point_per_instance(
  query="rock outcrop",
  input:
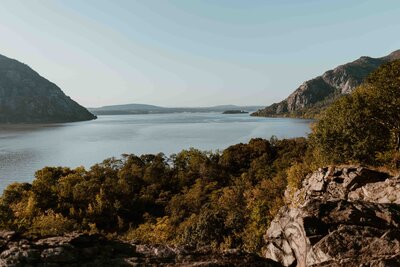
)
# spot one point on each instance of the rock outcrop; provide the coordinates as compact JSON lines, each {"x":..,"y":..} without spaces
{"x":77,"y":249}
{"x":316,"y":94}
{"x":27,"y":97}
{"x":342,"y":216}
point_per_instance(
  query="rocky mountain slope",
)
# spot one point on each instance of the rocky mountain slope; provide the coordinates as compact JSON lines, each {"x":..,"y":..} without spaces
{"x":316,"y":94}
{"x":343,"y":216}
{"x":27,"y":97}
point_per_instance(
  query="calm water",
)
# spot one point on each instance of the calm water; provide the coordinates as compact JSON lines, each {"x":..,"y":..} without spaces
{"x":26,"y":148}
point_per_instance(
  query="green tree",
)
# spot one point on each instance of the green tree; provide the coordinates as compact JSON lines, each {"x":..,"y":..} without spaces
{"x":348,"y":131}
{"x":384,"y":95}
{"x":364,"y":124}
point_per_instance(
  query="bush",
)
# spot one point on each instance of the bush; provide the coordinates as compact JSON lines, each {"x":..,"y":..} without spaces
{"x":359,"y":126}
{"x":159,"y":232}
{"x":50,"y":224}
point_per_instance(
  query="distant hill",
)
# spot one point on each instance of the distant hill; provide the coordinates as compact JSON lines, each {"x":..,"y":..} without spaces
{"x":315,"y":95}
{"x":27,"y":97}
{"x":150,"y":109}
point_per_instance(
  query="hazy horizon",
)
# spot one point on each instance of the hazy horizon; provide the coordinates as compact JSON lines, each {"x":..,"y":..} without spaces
{"x":149,"y":104}
{"x":192,"y":53}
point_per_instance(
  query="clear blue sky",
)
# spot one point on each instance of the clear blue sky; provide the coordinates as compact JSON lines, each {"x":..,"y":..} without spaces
{"x":192,"y":52}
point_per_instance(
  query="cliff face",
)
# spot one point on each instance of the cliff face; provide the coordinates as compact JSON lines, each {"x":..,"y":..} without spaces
{"x":343,"y":216}
{"x":316,"y":94}
{"x":27,"y":97}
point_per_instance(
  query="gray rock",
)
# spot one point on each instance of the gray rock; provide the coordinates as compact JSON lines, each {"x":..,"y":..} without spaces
{"x":350,"y":217}
{"x":7,"y":235}
{"x":78,"y":249}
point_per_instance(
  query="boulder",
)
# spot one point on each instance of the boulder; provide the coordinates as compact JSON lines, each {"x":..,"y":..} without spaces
{"x":343,"y":216}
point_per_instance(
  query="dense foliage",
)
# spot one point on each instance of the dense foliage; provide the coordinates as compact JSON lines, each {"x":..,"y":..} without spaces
{"x":224,"y":199}
{"x":365,"y":125}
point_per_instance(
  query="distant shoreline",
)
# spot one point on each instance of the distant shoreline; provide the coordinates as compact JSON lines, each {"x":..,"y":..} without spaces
{"x":141,"y":109}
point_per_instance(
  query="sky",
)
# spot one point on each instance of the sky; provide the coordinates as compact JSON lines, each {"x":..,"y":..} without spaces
{"x":192,"y":52}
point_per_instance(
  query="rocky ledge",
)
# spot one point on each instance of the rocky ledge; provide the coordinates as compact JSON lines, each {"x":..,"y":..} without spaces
{"x":342,"y":216}
{"x":78,"y":249}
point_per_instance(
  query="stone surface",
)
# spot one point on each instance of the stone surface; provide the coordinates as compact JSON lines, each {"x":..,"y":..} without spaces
{"x":78,"y":249}
{"x":342,"y":216}
{"x":322,"y":90}
{"x":27,"y":97}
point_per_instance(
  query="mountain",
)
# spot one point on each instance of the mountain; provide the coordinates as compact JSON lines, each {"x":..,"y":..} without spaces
{"x":151,"y":109}
{"x":27,"y":97}
{"x":316,"y":94}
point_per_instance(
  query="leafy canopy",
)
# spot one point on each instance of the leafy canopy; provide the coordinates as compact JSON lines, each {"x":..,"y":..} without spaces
{"x":365,"y":123}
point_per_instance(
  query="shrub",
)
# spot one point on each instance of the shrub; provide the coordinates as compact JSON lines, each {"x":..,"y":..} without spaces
{"x":50,"y":224}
